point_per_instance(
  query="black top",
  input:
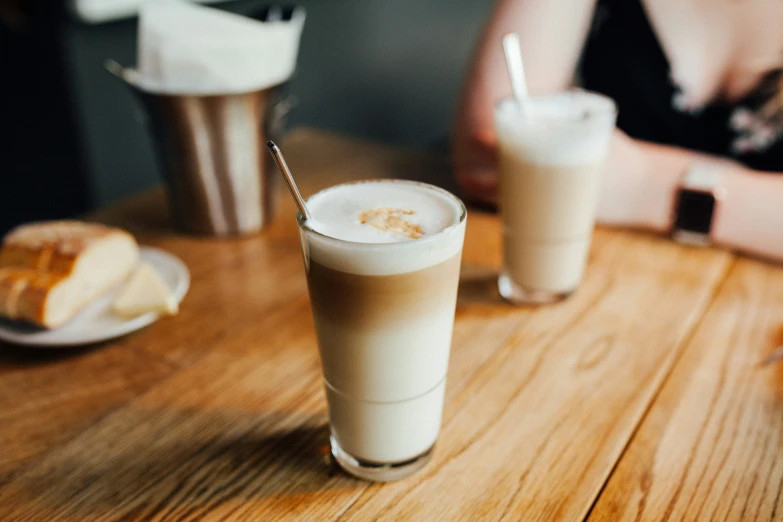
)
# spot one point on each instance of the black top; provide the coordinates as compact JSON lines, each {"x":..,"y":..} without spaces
{"x":624,"y":60}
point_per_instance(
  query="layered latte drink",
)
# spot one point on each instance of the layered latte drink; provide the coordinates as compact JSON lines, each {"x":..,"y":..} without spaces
{"x":551,"y":160}
{"x":383,"y":260}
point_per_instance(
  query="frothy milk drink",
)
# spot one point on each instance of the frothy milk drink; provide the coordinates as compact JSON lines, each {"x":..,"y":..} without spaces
{"x":383,"y":260}
{"x":551,"y":158}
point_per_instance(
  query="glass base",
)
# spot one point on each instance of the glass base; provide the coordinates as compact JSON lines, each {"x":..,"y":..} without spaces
{"x":377,"y":471}
{"x":519,"y":295}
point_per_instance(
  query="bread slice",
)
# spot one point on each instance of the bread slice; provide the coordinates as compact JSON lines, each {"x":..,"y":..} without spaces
{"x":50,"y":271}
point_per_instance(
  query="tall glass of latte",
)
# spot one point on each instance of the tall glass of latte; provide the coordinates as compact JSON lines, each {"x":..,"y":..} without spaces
{"x":551,"y":159}
{"x":383,"y":260}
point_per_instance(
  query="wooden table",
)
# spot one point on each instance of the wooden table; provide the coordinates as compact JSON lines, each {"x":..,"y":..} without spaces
{"x":641,"y":397}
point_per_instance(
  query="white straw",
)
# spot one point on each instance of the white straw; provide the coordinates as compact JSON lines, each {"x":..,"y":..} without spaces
{"x":516,"y":70}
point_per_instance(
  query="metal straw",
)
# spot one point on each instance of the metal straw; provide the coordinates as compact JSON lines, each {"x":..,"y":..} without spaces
{"x":277,"y":154}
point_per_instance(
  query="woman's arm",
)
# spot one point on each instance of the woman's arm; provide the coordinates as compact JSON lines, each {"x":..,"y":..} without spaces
{"x":641,"y":178}
{"x":750,"y":216}
{"x":640,"y":188}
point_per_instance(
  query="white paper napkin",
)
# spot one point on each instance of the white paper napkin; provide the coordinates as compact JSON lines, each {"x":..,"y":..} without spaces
{"x":186,"y":48}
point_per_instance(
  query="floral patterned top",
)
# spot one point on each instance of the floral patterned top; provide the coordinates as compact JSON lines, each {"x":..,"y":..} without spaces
{"x":758,"y":120}
{"x":624,"y":60}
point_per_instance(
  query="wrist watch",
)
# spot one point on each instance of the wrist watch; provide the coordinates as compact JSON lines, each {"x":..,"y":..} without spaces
{"x":696,"y":203}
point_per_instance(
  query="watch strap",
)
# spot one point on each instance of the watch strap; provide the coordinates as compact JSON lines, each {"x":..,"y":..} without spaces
{"x":704,"y":177}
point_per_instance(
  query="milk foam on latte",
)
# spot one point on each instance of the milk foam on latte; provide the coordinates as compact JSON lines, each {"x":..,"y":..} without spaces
{"x":560,"y":130}
{"x":345,"y":211}
{"x":381,"y":212}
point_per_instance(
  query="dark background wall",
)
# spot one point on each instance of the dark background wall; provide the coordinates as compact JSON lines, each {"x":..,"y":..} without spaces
{"x":41,"y":173}
{"x":384,"y":70}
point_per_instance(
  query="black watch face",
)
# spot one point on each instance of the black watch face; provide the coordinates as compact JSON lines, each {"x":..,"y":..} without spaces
{"x":694,"y":211}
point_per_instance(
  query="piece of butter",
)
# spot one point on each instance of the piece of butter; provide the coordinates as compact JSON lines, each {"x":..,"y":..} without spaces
{"x":145,"y":292}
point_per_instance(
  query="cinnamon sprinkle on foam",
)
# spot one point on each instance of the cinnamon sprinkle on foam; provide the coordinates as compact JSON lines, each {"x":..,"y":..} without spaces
{"x":389,"y":219}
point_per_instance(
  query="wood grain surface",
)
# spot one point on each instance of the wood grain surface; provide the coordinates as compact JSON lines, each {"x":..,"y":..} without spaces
{"x":552,"y":413}
{"x":711,"y":447}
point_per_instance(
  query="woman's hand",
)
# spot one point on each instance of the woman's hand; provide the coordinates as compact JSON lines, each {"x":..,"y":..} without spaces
{"x":552,"y":35}
{"x":476,"y":169}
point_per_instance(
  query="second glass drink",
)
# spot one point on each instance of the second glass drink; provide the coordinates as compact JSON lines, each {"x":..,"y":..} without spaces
{"x":551,"y":161}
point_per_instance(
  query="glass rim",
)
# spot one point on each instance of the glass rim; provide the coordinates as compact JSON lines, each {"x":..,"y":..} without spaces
{"x":610,"y":111}
{"x":463,"y":214}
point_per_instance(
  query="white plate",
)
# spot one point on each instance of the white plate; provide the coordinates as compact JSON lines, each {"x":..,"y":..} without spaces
{"x":96,"y":322}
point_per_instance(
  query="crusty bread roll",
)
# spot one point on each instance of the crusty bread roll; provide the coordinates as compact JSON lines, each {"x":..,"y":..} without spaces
{"x":50,"y":271}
